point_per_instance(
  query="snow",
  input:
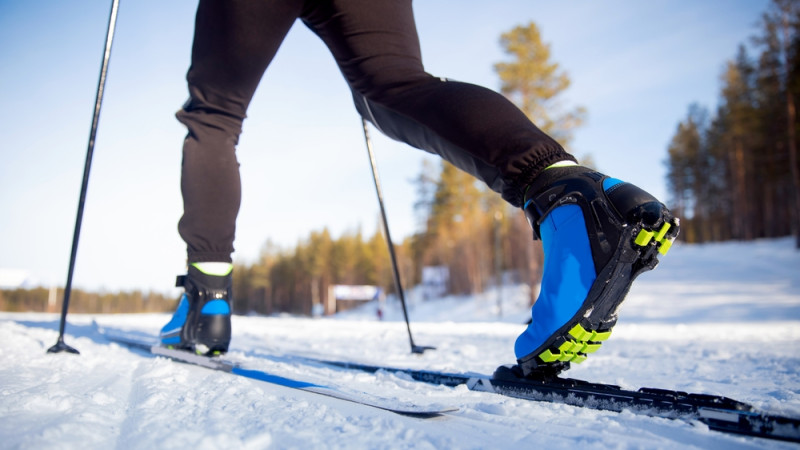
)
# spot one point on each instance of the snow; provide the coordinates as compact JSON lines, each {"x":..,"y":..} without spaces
{"x":717,"y":318}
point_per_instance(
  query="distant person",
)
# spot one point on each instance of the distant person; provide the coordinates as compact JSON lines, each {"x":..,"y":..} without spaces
{"x":598,"y":232}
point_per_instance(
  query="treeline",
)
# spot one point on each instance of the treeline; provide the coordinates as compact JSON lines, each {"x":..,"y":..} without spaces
{"x":296,"y":279}
{"x":472,"y":231}
{"x":49,"y":300}
{"x":734,"y":174}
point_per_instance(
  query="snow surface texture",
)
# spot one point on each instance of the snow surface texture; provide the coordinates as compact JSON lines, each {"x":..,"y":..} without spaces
{"x":720,"y":319}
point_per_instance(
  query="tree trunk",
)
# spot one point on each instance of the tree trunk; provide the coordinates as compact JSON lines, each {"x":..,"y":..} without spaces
{"x":790,"y":118}
{"x":741,"y":208}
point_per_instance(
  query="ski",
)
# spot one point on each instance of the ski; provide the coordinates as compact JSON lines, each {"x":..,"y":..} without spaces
{"x":228,"y":366}
{"x":717,"y":412}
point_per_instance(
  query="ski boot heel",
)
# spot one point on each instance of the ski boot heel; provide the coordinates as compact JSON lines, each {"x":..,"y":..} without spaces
{"x":202,"y":322}
{"x":213,"y":332}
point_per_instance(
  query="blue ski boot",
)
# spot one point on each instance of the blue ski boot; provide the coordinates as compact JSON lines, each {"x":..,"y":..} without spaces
{"x":202,"y":322}
{"x":598,"y":233}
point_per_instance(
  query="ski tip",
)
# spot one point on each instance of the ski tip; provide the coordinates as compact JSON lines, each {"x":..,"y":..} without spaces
{"x":423,"y":413}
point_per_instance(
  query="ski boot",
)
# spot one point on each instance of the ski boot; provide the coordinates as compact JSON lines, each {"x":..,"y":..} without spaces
{"x":598,"y":234}
{"x":202,"y":322}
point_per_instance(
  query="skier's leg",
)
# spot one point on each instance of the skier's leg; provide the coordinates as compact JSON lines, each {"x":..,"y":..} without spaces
{"x":376,"y":47}
{"x":234,"y":42}
{"x":404,"y":129}
{"x":598,"y":233}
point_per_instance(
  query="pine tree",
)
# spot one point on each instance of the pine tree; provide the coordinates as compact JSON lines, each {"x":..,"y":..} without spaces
{"x":454,"y":228}
{"x":534,"y":83}
{"x":785,"y":19}
{"x":746,"y":182}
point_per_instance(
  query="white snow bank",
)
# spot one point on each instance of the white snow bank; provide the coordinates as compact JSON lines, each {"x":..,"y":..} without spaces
{"x":720,"y":319}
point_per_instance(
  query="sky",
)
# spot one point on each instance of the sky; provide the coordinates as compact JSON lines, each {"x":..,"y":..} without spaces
{"x":635,"y":66}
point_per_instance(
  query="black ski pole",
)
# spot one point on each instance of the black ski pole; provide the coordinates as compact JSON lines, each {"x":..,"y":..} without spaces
{"x":60,"y":345}
{"x":414,"y":347}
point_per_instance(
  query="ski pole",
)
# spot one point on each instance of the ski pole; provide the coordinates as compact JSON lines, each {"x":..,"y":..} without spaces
{"x":414,"y":347}
{"x":60,"y":345}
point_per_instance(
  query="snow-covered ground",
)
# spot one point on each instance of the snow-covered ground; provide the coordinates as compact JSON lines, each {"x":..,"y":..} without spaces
{"x":720,"y":319}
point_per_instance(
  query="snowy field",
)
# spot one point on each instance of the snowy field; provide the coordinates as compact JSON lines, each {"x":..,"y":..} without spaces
{"x":719,"y":319}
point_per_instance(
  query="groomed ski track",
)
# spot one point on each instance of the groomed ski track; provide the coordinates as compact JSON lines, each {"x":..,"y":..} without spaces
{"x":721,"y":319}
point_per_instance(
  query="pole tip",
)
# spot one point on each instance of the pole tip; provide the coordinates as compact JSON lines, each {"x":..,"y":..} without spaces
{"x":62,"y":347}
{"x":420,"y":349}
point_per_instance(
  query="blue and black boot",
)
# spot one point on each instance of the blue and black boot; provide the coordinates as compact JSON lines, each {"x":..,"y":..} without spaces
{"x":598,"y":234}
{"x":202,"y":322}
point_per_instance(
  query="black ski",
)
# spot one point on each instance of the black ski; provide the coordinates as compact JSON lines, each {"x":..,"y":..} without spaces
{"x":717,"y":412}
{"x":225,"y":365}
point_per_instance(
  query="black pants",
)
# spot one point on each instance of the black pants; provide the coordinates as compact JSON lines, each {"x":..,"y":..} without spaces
{"x":376,"y":46}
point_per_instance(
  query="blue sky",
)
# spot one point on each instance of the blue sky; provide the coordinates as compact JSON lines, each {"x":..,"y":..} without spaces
{"x":635,"y":66}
